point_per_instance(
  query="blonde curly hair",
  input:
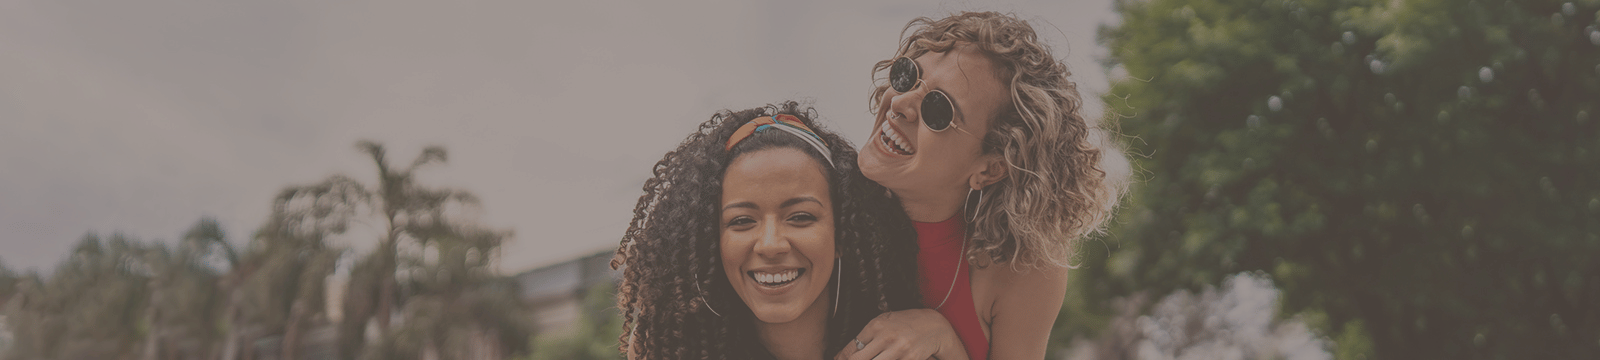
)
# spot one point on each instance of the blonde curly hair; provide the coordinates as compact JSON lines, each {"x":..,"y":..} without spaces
{"x":1056,"y":191}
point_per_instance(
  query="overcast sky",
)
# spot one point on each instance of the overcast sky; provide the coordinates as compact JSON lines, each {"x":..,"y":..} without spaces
{"x":141,"y":117}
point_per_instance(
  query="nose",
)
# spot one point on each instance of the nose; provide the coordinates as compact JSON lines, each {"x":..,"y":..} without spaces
{"x":772,"y":243}
{"x":907,"y":104}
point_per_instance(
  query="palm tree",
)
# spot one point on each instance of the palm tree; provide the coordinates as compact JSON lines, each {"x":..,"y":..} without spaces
{"x":295,"y":248}
{"x":278,"y":284}
{"x":458,"y":307}
{"x":182,"y":301}
{"x":440,"y":290}
{"x":89,"y":308}
{"x":9,"y":284}
{"x":121,"y":299}
{"x":405,"y":206}
{"x":32,"y":328}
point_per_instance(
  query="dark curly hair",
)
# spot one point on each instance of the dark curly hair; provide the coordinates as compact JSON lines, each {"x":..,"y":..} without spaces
{"x":674,"y":242}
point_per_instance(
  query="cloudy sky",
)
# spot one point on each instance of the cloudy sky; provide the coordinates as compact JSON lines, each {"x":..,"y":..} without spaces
{"x":142,"y":117}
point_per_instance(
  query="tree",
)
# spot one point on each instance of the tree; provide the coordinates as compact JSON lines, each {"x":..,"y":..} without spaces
{"x":304,"y":218}
{"x":450,"y":291}
{"x":405,"y":206}
{"x":278,"y":284}
{"x":595,"y":335}
{"x":183,"y":298}
{"x":123,"y":299}
{"x":1418,"y":176}
{"x":91,"y":307}
{"x":457,"y":307}
{"x":119,"y":299}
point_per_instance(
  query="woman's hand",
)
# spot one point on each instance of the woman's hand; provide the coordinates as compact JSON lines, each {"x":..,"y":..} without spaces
{"x":914,"y":334}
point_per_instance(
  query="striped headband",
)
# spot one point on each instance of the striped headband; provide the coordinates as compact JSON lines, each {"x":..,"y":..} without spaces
{"x":787,"y":123}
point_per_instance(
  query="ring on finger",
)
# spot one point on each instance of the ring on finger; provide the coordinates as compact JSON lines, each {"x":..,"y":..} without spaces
{"x":860,"y":345}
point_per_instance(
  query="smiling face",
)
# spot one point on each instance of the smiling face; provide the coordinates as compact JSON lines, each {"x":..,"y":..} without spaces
{"x":777,"y":233}
{"x":906,"y":156}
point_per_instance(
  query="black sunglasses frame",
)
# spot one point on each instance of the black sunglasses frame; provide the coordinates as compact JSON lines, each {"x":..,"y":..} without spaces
{"x":904,"y":76}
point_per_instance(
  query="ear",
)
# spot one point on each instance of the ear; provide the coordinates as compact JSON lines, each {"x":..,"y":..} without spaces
{"x":994,"y":169}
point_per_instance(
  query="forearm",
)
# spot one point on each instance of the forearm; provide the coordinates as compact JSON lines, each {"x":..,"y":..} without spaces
{"x":906,"y":334}
{"x":950,"y":348}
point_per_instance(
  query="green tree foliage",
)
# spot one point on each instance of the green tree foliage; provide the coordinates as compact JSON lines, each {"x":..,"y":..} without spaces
{"x":126,"y":299}
{"x":201,"y":298}
{"x":594,"y":337}
{"x":118,"y":298}
{"x":291,"y":258}
{"x":1419,"y":177}
{"x":9,"y":282}
{"x":436,"y":271}
{"x":406,"y":209}
{"x":456,"y":306}
{"x":183,"y":298}
{"x":89,"y":308}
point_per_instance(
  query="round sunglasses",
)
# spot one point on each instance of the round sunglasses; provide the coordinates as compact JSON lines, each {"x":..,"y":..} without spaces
{"x":937,"y":110}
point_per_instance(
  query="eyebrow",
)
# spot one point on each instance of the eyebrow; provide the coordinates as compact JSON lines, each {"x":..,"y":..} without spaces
{"x":741,"y":204}
{"x":786,"y":203}
{"x":798,"y":200}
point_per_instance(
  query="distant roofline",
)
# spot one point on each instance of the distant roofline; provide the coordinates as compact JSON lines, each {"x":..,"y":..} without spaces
{"x":609,"y":249}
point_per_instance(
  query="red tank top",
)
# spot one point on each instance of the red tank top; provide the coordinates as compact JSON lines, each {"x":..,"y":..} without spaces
{"x":939,"y":259}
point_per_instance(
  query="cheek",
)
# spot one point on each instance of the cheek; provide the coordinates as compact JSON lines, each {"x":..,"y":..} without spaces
{"x":821,"y":248}
{"x":949,"y":154}
{"x":729,"y":251}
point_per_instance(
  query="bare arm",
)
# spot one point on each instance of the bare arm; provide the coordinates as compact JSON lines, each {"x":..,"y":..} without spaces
{"x":1024,"y":311}
{"x":915,"y":334}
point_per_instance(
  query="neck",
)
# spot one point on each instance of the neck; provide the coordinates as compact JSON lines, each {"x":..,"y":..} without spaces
{"x":934,"y":206}
{"x":802,"y":337}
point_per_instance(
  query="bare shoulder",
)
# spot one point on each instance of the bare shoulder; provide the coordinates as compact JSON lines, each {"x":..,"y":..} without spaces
{"x":1004,"y":282}
{"x":1027,"y":294}
{"x":1014,"y":278}
{"x":1027,"y":301}
{"x":1030,"y":291}
{"x":1003,"y":290}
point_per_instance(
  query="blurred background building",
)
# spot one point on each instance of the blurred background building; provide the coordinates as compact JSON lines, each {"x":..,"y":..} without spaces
{"x":556,"y":292}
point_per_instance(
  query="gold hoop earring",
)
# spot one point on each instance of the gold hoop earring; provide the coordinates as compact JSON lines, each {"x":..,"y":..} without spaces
{"x":837,"y":279}
{"x":702,"y":296}
{"x":974,"y":209}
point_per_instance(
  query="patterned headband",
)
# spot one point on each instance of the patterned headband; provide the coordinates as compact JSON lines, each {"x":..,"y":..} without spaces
{"x":787,"y":123}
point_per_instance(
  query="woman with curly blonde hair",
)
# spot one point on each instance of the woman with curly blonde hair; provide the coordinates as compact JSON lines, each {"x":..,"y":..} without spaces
{"x":758,"y":238}
{"x":979,"y":134}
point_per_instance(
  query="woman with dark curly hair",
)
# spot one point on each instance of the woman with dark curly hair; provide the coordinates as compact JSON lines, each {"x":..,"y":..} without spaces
{"x":759,"y":238}
{"x":980,"y":136}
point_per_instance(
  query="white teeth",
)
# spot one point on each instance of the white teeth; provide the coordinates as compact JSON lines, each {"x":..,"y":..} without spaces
{"x":894,"y":137}
{"x":776,"y":278}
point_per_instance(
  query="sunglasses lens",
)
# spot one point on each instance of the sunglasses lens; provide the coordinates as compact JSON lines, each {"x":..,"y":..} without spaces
{"x":937,"y":111}
{"x":903,"y":74}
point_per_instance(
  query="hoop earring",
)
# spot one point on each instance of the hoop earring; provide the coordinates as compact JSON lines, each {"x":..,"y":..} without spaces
{"x":837,"y":279}
{"x":702,"y":296}
{"x":974,"y":209}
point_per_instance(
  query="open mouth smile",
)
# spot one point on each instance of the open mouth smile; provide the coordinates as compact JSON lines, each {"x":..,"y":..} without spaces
{"x":893,"y":141}
{"x":775,"y":279}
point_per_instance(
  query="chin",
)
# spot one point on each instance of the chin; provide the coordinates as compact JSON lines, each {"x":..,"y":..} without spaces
{"x":873,"y":164}
{"x":778,"y":313}
{"x":882,"y":171}
{"x":870,"y":167}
